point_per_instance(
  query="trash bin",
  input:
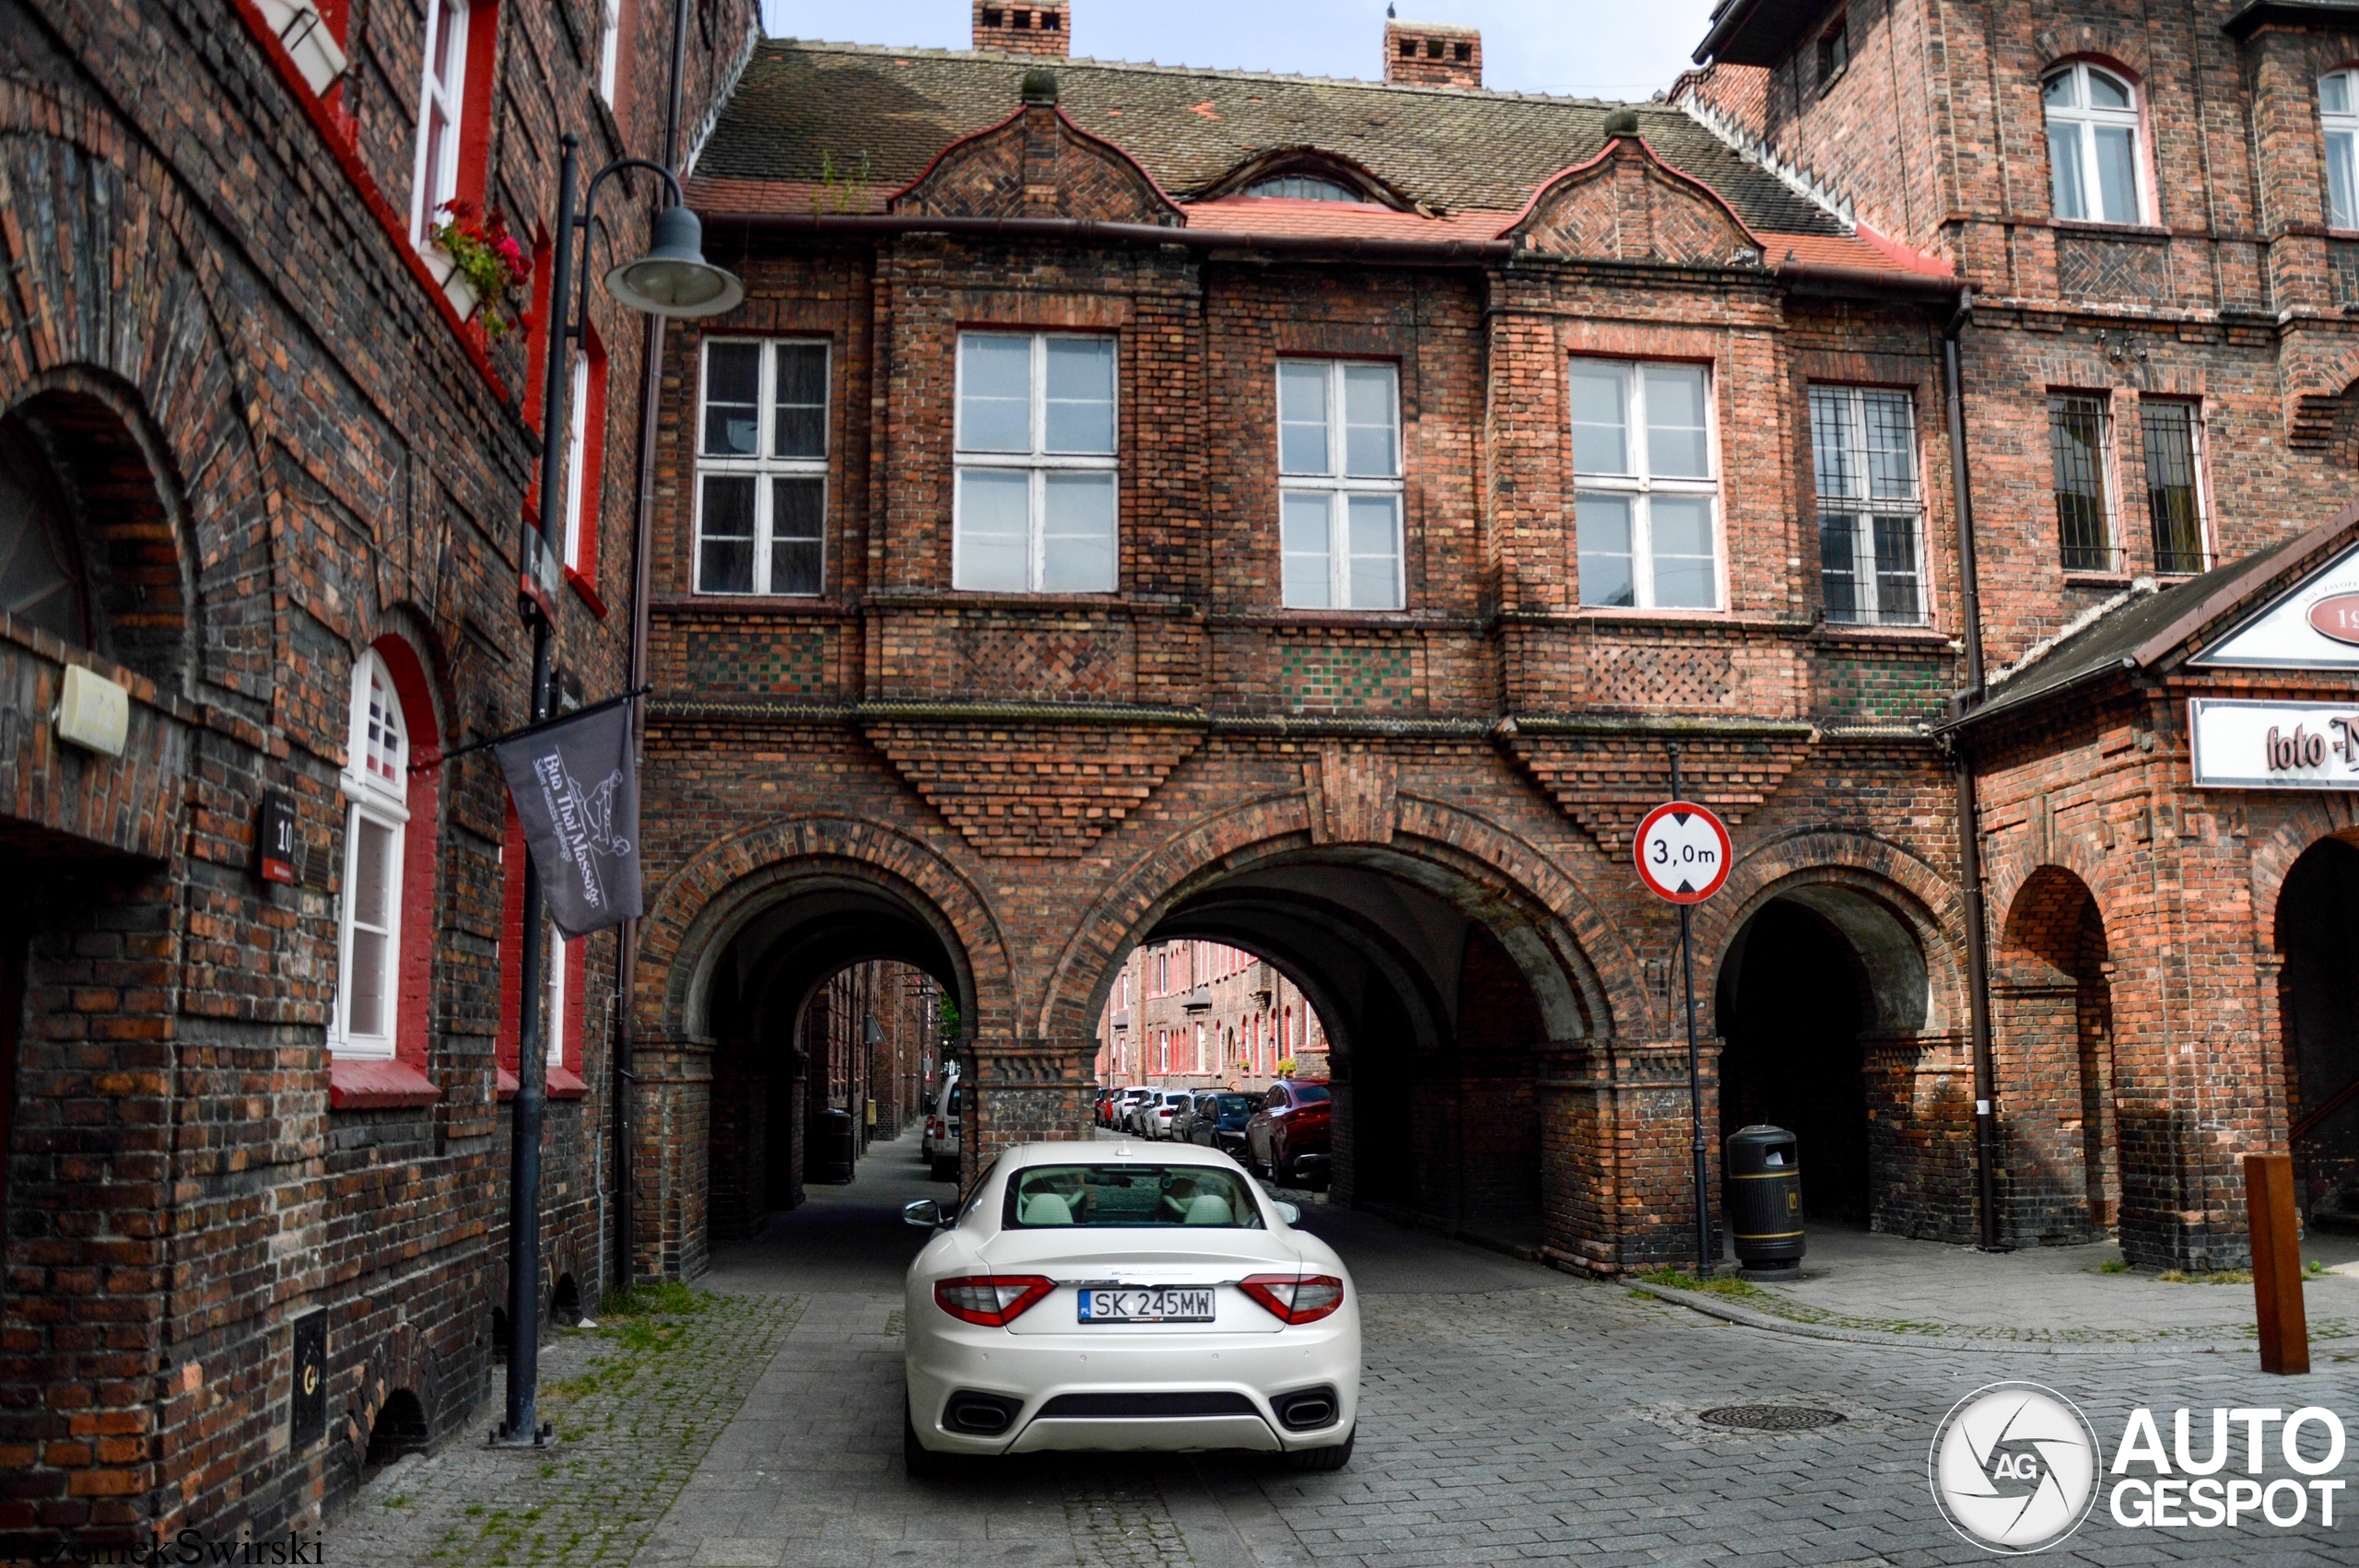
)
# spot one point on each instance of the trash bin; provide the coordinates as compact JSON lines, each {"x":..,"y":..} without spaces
{"x":1765,"y":1197}
{"x":834,"y":1146}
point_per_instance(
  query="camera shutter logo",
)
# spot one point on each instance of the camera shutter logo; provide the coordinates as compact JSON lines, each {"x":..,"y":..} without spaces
{"x":2014,"y":1467}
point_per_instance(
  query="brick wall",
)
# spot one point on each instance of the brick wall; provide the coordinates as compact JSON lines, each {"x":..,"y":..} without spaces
{"x":305,"y":454}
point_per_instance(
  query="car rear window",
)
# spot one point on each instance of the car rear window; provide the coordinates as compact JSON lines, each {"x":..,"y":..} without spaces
{"x":1310,"y":1094}
{"x":1236,"y":1104}
{"x":1106,"y":1196}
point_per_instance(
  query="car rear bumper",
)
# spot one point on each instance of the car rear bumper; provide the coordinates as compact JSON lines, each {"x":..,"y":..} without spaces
{"x":1165,"y":1434}
{"x":1037,"y":1369}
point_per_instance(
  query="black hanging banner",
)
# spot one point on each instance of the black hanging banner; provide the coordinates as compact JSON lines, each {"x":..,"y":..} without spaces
{"x":576,"y":789}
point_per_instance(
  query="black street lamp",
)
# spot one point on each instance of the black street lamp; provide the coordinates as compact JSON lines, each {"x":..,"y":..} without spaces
{"x":672,"y":279}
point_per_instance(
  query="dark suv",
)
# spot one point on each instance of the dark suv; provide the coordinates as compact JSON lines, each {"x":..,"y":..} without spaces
{"x":1216,"y":1119}
{"x":1291,"y":1135}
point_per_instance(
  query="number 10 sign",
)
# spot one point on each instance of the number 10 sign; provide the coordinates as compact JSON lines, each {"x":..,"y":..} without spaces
{"x":1682,"y":852}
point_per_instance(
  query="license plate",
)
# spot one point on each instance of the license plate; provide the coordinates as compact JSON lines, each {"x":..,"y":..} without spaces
{"x":1147,"y":1306}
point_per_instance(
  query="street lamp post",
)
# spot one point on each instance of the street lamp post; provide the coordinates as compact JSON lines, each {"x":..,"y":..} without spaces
{"x":672,"y":279}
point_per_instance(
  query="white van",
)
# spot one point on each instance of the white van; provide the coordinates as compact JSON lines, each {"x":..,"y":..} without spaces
{"x":940,"y":1147}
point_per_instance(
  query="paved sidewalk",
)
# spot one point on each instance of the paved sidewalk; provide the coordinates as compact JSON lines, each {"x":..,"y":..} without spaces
{"x":1857,"y":1284}
{"x":637,"y":1402}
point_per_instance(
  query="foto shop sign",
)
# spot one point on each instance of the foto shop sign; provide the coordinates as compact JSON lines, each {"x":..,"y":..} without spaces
{"x":576,"y":787}
{"x":2241,"y":744}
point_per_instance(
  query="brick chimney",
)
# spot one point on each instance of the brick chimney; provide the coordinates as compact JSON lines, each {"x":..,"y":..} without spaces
{"x":1432,"y":54}
{"x":1033,"y":28}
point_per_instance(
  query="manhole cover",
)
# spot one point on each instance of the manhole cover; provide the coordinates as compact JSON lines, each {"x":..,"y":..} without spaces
{"x":1771,"y":1418}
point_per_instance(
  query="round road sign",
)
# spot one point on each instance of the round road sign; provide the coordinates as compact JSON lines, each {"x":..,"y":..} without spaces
{"x":1682,"y":852}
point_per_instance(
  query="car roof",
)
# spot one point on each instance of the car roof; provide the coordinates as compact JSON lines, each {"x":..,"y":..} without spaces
{"x":1103,"y":1152}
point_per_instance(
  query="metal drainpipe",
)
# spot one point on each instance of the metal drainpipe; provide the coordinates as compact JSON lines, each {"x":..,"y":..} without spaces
{"x":1970,"y":843}
{"x":649,"y":410}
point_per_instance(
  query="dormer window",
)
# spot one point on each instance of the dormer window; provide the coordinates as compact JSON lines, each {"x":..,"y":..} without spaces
{"x":1304,"y":188}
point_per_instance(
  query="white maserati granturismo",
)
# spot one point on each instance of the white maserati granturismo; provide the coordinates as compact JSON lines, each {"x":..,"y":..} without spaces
{"x":1124,"y":1296}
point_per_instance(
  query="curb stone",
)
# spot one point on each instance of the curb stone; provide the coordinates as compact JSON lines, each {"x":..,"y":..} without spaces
{"x":1714,"y":1306}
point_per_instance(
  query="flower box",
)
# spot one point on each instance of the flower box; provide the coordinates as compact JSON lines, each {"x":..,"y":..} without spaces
{"x":305,"y":33}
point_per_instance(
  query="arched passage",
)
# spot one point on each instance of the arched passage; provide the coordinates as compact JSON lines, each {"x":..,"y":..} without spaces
{"x":1440,"y":988}
{"x":1818,"y":980}
{"x":2317,"y":935}
{"x":770,"y":1012}
{"x":2052,"y":1028}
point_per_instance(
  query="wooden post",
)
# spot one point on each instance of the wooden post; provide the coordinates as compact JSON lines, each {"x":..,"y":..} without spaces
{"x":2276,"y":1264}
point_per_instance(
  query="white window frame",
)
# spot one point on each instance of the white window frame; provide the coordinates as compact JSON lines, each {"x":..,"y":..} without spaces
{"x":761,"y":466}
{"x":1338,"y":487}
{"x":1038,"y":462}
{"x":1644,"y":486}
{"x":432,"y":189}
{"x":610,"y":29}
{"x":577,"y":485}
{"x":2341,"y":130}
{"x":376,"y":792}
{"x":1864,"y":508}
{"x":2084,"y":119}
{"x":552,"y":1025}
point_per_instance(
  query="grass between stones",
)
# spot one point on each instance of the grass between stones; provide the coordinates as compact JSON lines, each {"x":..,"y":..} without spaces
{"x":665,"y":1370}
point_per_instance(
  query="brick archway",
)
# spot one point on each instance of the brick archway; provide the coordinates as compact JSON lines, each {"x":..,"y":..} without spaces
{"x":1864,"y":1058}
{"x":2073,"y":1151}
{"x":720,"y":890}
{"x":1538,"y":911}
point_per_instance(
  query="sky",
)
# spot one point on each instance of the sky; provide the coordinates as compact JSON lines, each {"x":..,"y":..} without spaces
{"x":1585,"y":48}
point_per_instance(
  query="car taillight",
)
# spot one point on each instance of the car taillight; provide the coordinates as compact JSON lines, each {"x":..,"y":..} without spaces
{"x":1304,"y":1299}
{"x":992,"y":1300}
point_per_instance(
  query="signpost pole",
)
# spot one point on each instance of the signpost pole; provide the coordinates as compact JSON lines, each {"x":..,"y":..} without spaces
{"x":1704,"y":1259}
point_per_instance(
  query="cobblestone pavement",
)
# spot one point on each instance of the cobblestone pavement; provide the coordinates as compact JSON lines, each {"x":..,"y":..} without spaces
{"x":637,"y":1401}
{"x":1508,"y":1411}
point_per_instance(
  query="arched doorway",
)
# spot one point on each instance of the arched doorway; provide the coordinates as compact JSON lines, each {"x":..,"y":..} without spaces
{"x":792,"y":999}
{"x":1816,"y":979}
{"x":2053,"y":1023}
{"x":2317,"y":936}
{"x":1437,"y":994}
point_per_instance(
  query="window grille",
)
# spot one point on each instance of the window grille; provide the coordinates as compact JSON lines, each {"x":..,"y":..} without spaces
{"x":2174,"y":487}
{"x":1871,"y":511}
{"x":2077,"y":440}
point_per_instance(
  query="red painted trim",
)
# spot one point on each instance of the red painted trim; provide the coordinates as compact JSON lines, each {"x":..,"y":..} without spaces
{"x":565,"y":1085}
{"x":335,"y":128}
{"x":511,"y":934}
{"x":474,"y":100}
{"x":584,"y":572}
{"x":1649,"y":153}
{"x":892,"y":202}
{"x":536,"y":340}
{"x":589,"y":594}
{"x":356,"y":1085}
{"x":414,"y":986}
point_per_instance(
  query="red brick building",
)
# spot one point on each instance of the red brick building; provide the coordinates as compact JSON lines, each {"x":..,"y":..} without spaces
{"x":1138,"y":504}
{"x":1206,"y":1016}
{"x":262,"y":472}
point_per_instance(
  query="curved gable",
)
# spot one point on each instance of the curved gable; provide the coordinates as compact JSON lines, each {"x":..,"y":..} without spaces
{"x":1037,"y":163}
{"x":1627,"y":205}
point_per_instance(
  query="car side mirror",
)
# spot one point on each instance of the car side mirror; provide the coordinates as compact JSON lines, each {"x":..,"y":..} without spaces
{"x":926,"y":1213}
{"x":1286,"y":1212}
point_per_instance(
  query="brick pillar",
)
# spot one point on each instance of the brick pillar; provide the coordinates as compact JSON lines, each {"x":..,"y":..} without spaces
{"x":1029,"y":1091}
{"x":1921,"y":1135}
{"x":2036,"y":1055}
{"x":1615,"y":1184}
{"x":670,"y":1161}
